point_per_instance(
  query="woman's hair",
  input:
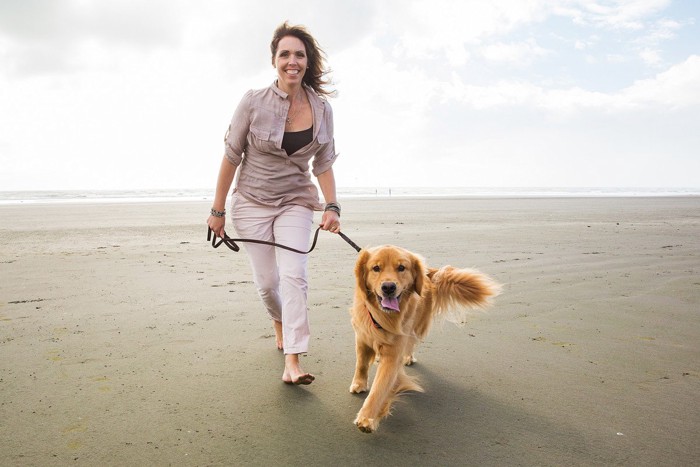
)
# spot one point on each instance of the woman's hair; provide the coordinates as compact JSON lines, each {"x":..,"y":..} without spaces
{"x":315,"y":76}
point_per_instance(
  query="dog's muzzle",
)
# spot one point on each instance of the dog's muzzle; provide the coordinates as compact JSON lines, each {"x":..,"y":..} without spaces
{"x":388,"y":298}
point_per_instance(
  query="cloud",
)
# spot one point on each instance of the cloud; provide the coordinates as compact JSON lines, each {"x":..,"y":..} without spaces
{"x":651,"y":57}
{"x":678,"y":87}
{"x":666,"y":29}
{"x":621,"y":14}
{"x":45,"y":36}
{"x":436,"y":29}
{"x":517,"y":54}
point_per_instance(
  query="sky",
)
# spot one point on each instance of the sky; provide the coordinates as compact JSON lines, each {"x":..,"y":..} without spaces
{"x":133,"y":94}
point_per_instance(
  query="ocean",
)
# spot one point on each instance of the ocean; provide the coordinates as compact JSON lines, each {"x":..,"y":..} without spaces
{"x":165,"y":195}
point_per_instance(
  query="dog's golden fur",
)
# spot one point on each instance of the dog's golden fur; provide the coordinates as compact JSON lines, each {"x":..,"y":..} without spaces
{"x":389,"y":277}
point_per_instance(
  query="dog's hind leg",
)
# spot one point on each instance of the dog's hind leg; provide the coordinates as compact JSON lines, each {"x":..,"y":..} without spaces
{"x":364,"y":355}
{"x":409,"y":357}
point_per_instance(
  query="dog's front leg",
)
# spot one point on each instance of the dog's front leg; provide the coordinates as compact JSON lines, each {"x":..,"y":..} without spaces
{"x":364,"y":355}
{"x":378,"y":401}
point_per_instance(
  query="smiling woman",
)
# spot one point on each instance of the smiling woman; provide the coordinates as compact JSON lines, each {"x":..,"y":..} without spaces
{"x":314,"y":74}
{"x":278,"y":136}
{"x":291,"y":64}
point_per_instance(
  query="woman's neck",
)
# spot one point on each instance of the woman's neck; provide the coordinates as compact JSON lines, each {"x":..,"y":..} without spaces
{"x":292,"y":91}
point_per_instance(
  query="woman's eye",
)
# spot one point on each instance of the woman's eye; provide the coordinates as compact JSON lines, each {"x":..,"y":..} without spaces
{"x":402,"y":268}
{"x":376,"y":269}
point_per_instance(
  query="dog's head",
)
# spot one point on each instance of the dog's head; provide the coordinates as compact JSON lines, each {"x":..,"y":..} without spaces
{"x":389,"y":274}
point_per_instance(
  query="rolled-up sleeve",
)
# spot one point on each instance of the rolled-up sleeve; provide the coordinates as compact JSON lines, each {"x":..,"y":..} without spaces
{"x":237,"y":134}
{"x":326,"y":155}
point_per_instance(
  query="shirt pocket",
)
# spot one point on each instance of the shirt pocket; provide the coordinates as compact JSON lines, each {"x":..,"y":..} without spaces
{"x":262,"y":140}
{"x":259,"y":133}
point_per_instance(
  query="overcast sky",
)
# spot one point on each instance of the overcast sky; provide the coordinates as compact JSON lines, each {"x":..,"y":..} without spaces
{"x":125,"y":94}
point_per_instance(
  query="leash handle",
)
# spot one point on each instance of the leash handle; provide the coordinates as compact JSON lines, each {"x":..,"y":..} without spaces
{"x":231,"y":242}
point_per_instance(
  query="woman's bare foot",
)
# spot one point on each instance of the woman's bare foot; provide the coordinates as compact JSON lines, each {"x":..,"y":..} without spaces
{"x":278,"y":333}
{"x":293,"y":374}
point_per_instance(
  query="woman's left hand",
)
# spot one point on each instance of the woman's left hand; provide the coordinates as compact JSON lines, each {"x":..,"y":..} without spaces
{"x":330,"y":221}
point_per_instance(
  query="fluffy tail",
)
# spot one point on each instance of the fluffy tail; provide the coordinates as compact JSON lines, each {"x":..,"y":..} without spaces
{"x":458,"y":291}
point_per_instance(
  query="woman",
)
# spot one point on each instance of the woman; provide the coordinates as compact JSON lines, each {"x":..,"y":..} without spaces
{"x":274,"y":134}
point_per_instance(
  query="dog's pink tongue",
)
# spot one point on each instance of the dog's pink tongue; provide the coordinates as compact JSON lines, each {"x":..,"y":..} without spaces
{"x":391,"y":303}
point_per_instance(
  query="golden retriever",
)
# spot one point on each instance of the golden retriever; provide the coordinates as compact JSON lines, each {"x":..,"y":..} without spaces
{"x":396,"y":299}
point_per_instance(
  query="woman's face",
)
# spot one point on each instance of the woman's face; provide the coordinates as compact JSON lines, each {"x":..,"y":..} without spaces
{"x":291,"y":62}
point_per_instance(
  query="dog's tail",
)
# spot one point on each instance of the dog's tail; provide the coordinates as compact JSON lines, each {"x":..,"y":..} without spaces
{"x":459,"y":291}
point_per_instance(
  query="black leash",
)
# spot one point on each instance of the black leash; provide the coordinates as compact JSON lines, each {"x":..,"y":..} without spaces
{"x":231,"y":242}
{"x":350,"y":242}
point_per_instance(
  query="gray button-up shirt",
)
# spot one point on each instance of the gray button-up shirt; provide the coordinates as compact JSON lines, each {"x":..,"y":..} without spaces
{"x":266,"y":174}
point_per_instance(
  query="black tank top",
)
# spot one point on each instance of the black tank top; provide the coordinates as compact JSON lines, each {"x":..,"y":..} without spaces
{"x":292,"y":141}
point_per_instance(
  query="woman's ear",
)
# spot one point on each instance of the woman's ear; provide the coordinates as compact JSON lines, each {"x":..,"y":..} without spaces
{"x":361,"y":269}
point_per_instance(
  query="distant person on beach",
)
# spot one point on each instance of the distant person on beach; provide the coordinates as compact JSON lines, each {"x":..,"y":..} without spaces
{"x":274,"y":134}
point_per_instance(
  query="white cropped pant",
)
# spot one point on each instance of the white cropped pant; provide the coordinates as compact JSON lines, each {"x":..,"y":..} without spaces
{"x":279,"y":275}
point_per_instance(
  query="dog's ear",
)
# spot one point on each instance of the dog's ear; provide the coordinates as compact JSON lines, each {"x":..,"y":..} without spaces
{"x":418,"y":273}
{"x":360,"y":270}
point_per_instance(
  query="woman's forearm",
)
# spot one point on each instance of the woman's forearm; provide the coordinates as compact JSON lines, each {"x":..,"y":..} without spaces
{"x":223,"y":184}
{"x":326,"y":181}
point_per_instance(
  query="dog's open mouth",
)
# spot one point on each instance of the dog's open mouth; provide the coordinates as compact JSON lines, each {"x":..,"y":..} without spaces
{"x":389,"y":304}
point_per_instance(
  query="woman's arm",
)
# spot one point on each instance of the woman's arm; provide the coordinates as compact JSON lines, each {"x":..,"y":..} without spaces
{"x":223,"y":185}
{"x":331,"y":219}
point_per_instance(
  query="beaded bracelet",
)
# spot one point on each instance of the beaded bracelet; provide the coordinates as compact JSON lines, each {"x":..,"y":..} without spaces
{"x":216,"y":213}
{"x":335,"y":207}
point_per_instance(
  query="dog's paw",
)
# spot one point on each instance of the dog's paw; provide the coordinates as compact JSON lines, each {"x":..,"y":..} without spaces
{"x":366,"y":425}
{"x":409,"y":360}
{"x":358,"y":387}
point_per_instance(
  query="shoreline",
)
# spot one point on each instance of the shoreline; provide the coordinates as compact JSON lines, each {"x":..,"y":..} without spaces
{"x":194,"y":195}
{"x":147,"y":201}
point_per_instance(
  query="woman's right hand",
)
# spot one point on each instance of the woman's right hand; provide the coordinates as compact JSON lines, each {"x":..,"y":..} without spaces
{"x":216,"y":224}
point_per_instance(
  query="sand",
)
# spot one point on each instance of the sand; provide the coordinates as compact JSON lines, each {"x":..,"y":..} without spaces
{"x":125,"y":339}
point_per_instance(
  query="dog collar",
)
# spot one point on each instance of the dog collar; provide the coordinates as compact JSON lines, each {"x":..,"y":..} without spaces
{"x":374,"y":321}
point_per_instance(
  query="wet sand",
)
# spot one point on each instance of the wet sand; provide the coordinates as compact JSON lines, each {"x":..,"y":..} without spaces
{"x":125,"y":339}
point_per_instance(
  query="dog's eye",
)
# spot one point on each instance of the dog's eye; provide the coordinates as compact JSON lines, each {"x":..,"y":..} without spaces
{"x":376,"y":269}
{"x":402,"y":268}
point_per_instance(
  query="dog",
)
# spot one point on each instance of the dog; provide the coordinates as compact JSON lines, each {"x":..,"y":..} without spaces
{"x":397,"y":298}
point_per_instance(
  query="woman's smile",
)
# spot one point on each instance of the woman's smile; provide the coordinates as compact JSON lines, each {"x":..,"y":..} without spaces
{"x":291,"y":62}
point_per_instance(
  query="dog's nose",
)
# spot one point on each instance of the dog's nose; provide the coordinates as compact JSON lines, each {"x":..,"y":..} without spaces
{"x":389,"y":288}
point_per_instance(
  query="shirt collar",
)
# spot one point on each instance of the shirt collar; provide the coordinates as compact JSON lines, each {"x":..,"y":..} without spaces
{"x":317,"y":107}
{"x":283,"y":94}
{"x":277,"y":90}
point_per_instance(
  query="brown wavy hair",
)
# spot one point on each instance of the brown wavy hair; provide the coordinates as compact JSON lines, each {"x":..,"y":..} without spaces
{"x":315,"y":77}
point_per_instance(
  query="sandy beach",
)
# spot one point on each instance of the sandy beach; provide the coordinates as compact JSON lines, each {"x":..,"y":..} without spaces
{"x":125,"y":339}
